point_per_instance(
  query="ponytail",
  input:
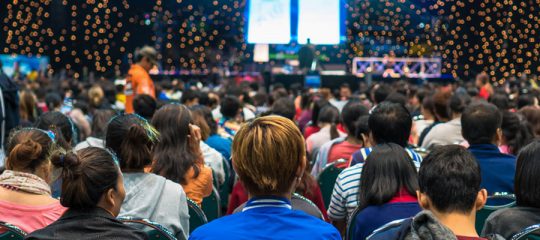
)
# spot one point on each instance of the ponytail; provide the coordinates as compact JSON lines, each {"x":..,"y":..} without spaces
{"x":333,"y":131}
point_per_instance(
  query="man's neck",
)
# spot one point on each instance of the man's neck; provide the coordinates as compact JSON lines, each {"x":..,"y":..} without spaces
{"x":460,"y":224}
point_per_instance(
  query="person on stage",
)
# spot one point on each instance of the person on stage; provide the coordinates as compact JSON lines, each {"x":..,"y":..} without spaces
{"x":306,"y":56}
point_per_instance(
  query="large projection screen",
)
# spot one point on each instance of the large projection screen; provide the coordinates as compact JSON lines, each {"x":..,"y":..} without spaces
{"x":269,"y":21}
{"x":319,"y":20}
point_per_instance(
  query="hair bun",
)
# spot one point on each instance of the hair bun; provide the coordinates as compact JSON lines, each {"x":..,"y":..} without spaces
{"x":65,"y":160}
{"x":24,"y":154}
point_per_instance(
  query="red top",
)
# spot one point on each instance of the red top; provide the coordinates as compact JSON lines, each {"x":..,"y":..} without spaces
{"x":484,"y":93}
{"x":342,"y":150}
{"x":311,"y":130}
{"x":240,"y":196}
{"x":403,"y":196}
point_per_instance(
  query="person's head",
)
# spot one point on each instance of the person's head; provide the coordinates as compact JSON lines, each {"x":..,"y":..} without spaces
{"x":91,"y":178}
{"x":500,"y":100}
{"x":28,"y":151}
{"x":387,"y":171}
{"x":362,"y":130}
{"x":532,"y":115}
{"x":132,"y":138}
{"x":440,"y":105}
{"x":145,"y":106}
{"x":428,"y":109}
{"x":390,"y":123}
{"x":482,"y":79}
{"x":481,"y":123}
{"x":458,"y":102}
{"x":230,"y":107}
{"x":146,"y":57}
{"x":199,"y":118}
{"x":449,"y":181}
{"x":61,"y":124}
{"x":527,"y":183}
{"x":206,"y":113}
{"x":352,"y":111}
{"x":516,"y":132}
{"x":269,"y":169}
{"x":525,"y":100}
{"x":329,"y":115}
{"x":381,"y":93}
{"x":173,"y":155}
{"x":345,"y":91}
{"x":96,"y":96}
{"x":99,"y":122}
{"x":397,"y":97}
{"x":27,"y":105}
{"x":317,"y":107}
{"x":284,"y":107}
{"x":53,"y":101}
{"x":190,"y":98}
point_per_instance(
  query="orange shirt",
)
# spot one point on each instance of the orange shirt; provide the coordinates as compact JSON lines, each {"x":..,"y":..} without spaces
{"x":138,"y":81}
{"x":198,"y":188}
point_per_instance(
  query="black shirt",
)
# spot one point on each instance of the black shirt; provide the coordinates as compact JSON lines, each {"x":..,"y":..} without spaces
{"x":87,"y":224}
{"x":510,"y":221}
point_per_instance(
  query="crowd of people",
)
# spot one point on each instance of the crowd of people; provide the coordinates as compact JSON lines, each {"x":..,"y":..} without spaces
{"x":428,"y":156}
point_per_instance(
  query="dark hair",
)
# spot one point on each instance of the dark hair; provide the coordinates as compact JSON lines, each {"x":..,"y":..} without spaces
{"x":532,"y":115}
{"x":500,"y":100}
{"x":145,"y":106}
{"x":53,"y":100}
{"x":458,"y":102}
{"x":388,"y":170}
{"x":99,"y":122}
{"x":284,"y":107}
{"x":361,"y":127}
{"x":205,"y":112}
{"x":317,"y":107}
{"x":132,"y":139}
{"x":60,"y":124}
{"x":28,"y":148}
{"x":229,"y":106}
{"x":440,"y":105}
{"x":352,"y":111}
{"x":330,"y":114}
{"x":527,"y":183}
{"x":396,"y":97}
{"x":381,"y":93}
{"x":516,"y":131}
{"x":390,"y":123}
{"x":479,"y":123}
{"x":525,"y":100}
{"x":173,"y":156}
{"x":188,"y":95}
{"x":86,"y":176}
{"x":450,"y":177}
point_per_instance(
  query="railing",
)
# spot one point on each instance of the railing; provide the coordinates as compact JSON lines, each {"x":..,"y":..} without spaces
{"x":390,"y":67}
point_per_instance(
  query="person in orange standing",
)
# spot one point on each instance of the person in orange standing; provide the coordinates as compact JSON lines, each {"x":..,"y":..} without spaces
{"x":138,"y":80}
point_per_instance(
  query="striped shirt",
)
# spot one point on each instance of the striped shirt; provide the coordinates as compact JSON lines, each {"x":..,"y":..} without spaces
{"x":345,"y":195}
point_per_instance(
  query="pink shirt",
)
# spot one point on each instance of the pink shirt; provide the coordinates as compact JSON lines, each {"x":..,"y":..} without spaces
{"x":30,"y":218}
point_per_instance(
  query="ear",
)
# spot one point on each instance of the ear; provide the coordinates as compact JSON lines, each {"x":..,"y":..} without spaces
{"x":301,"y":167}
{"x":481,"y":199}
{"x":109,"y":198}
{"x":423,"y":200}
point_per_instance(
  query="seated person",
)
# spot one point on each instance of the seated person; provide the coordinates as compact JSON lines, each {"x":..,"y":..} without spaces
{"x":328,"y":120}
{"x":481,"y":127}
{"x":344,"y":147}
{"x":93,"y":192}
{"x":391,"y":124}
{"x":148,"y":195}
{"x":509,"y":221}
{"x":388,"y":123}
{"x":270,"y":173}
{"x":177,"y":155}
{"x":387,"y":189}
{"x":25,"y":195}
{"x":449,"y":132}
{"x":450,"y":194}
{"x":99,"y":126}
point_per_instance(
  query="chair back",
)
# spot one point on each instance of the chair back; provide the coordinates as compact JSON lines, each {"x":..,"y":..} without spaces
{"x":196,"y":216}
{"x":299,"y":202}
{"x":153,"y":230}
{"x":529,"y":233}
{"x":10,"y":232}
{"x":351,"y":226}
{"x":487,"y":210}
{"x":225,"y":189}
{"x":211,"y":206}
{"x":388,"y":230}
{"x":327,"y":179}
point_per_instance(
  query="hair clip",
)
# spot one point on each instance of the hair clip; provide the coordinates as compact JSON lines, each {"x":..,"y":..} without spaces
{"x":51,"y":135}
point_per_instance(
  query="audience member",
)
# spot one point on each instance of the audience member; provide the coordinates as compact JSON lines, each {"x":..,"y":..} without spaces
{"x":516,"y":133}
{"x":313,"y":126}
{"x":270,"y":172}
{"x":481,"y":127}
{"x":482,"y":82}
{"x":61,"y":124}
{"x":99,"y":127}
{"x":25,"y":195}
{"x":328,"y":120}
{"x":215,"y":140}
{"x":148,"y":196}
{"x":441,"y":111}
{"x":387,"y":189}
{"x":177,"y":156}
{"x":231,"y":110}
{"x":93,"y":192}
{"x":532,"y":115}
{"x":145,"y":106}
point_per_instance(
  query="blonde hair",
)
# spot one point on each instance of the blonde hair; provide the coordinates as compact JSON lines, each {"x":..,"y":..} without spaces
{"x":96,"y":95}
{"x":267,"y":153}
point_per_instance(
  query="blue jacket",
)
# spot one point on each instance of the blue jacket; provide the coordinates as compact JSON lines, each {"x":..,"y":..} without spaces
{"x":497,"y":169}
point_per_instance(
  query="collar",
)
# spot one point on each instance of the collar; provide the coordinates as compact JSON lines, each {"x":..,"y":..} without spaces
{"x":487,"y":146}
{"x":92,"y":212}
{"x":267,"y":202}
